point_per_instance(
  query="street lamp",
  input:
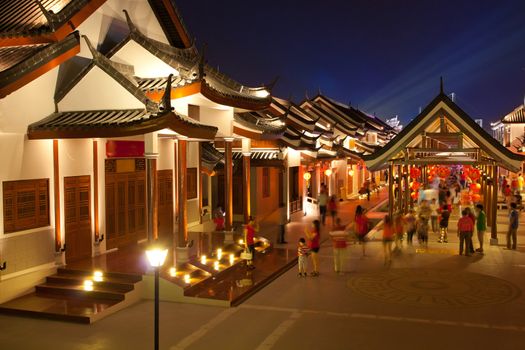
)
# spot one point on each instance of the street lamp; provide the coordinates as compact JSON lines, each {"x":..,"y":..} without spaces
{"x":156,"y":257}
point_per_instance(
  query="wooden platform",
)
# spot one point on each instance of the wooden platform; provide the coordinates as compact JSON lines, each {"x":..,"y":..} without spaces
{"x":63,"y":296}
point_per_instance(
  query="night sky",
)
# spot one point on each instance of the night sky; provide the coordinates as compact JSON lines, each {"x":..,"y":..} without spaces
{"x":384,"y":56}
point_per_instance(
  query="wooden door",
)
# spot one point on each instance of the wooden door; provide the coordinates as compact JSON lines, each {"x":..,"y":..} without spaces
{"x":125,"y":206}
{"x":77,"y":208}
{"x":165,"y":203}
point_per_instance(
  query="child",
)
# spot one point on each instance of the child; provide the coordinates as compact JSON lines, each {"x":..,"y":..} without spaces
{"x":422,"y":231}
{"x":302,"y":253}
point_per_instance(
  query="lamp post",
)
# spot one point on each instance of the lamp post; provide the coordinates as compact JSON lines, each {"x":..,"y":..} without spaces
{"x":156,"y":257}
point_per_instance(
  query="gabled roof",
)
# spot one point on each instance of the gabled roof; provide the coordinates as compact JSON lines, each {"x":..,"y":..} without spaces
{"x":443,"y":105}
{"x":27,"y":22}
{"x":20,"y":65}
{"x":517,"y":116}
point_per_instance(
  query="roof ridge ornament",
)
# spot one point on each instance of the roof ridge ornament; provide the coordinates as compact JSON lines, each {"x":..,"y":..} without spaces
{"x":165,"y":104}
{"x":50,"y":16}
{"x":131,"y":25}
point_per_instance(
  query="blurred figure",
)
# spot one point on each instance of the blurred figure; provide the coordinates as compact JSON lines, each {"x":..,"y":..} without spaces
{"x":218,"y":219}
{"x":473,"y":219}
{"x":434,"y":213}
{"x":410,"y":221}
{"x":361,"y":226}
{"x":465,"y":228}
{"x":388,"y":237}
{"x":521,"y":182}
{"x":332,"y":207}
{"x":481,"y":225}
{"x":513,"y":227}
{"x":443,"y":225}
{"x":422,"y":231}
{"x":322,"y":200}
{"x":399,"y":230}
{"x":249,"y":240}
{"x":313,"y":235}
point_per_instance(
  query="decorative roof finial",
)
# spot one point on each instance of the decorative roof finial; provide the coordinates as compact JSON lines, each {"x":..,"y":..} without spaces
{"x":131,"y":25}
{"x":49,"y":15}
{"x":441,"y":90}
{"x":166,"y":98}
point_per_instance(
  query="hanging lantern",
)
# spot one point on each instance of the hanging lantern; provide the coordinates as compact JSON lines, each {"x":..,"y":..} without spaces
{"x":475,"y":197}
{"x":351,"y":172}
{"x":443,"y":172}
{"x":474,"y":174}
{"x":415,"y":173}
{"x":307,"y":176}
{"x":475,"y":187}
{"x":328,"y":172}
{"x":413,"y":195}
{"x":415,"y":185}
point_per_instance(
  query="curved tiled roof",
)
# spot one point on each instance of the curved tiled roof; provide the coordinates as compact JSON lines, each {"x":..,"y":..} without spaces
{"x":517,"y":116}
{"x":261,"y":121}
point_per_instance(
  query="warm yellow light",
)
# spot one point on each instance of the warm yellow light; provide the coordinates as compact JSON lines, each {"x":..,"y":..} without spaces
{"x":156,"y":256}
{"x":203,"y":259}
{"x":88,"y":285}
{"x":262,"y":93}
{"x":219,"y":253}
{"x":187,"y":279}
{"x":351,"y":172}
{"x":241,"y":241}
{"x":216,"y":265}
{"x":98,"y":276}
{"x":173,"y":272}
{"x":307,"y":176}
{"x":232,"y":259}
{"x":328,"y":172}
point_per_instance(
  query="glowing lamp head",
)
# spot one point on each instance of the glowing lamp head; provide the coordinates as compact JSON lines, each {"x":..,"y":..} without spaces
{"x":328,"y":172}
{"x":232,"y":259}
{"x":156,"y":256}
{"x":219,"y":253}
{"x":98,"y":276}
{"x":351,"y":172}
{"x":307,"y":176}
{"x":187,"y":279}
{"x":203,"y":259}
{"x":88,"y":285}
{"x":216,"y":265}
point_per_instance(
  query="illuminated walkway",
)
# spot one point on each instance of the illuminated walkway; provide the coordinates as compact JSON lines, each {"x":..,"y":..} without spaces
{"x":430,"y":298}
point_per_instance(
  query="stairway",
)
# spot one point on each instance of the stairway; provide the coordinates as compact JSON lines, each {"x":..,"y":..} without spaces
{"x":64,"y":297}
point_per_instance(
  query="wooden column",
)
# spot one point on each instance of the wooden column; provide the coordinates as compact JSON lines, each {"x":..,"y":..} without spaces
{"x":56,"y":187}
{"x":175,"y":181}
{"x":390,"y":190}
{"x":399,"y":206}
{"x":199,"y":174}
{"x":151,"y":196}
{"x":246,"y":187}
{"x":182,"y":190}
{"x":95,"y":191}
{"x":494,"y":205}
{"x":228,"y":183}
{"x":406,"y":178}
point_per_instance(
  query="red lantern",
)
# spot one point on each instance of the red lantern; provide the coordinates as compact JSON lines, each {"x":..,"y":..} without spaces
{"x":443,"y":172}
{"x":475,"y":187}
{"x":475,"y":197}
{"x":415,"y":173}
{"x":415,"y":185}
{"x":474,"y":174}
{"x":413,"y":195}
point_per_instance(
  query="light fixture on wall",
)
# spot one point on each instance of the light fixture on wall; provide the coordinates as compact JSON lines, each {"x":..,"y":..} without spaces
{"x":328,"y":172}
{"x":351,"y":172}
{"x":307,"y":176}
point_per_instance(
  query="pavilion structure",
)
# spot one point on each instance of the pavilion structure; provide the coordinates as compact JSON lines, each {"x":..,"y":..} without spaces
{"x":443,"y":134}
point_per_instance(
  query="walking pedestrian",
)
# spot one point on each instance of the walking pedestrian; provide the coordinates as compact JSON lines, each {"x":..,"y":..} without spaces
{"x":332,"y":207}
{"x":388,"y":237}
{"x":481,"y":225}
{"x":434,"y":207}
{"x":313,"y":235}
{"x":443,"y":224}
{"x":422,"y":231}
{"x":410,"y":221}
{"x":361,"y":226}
{"x":322,"y":200}
{"x":249,"y":234}
{"x":473,"y":218}
{"x":399,"y":231}
{"x":302,"y":254}
{"x":513,"y":227}
{"x":465,"y":228}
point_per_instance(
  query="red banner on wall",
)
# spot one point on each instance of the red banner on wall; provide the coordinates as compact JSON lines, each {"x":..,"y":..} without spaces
{"x":124,"y":149}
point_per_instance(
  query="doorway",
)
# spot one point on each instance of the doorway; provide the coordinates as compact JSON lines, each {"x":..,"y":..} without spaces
{"x":165,"y":203}
{"x":77,"y":208}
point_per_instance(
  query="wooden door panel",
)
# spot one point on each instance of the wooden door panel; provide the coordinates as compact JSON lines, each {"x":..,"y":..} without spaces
{"x":77,"y":209}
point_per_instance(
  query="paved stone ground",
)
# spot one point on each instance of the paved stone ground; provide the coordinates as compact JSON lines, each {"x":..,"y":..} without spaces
{"x":429,"y":298}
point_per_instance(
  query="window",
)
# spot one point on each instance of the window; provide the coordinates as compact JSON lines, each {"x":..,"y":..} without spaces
{"x":191,"y":181}
{"x":266,"y":182}
{"x":26,"y":204}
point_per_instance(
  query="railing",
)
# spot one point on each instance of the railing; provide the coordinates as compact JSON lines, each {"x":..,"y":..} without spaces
{"x":296,"y":205}
{"x":311,"y":206}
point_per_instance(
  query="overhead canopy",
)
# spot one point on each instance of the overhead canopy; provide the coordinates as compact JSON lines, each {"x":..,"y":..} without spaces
{"x":443,"y":134}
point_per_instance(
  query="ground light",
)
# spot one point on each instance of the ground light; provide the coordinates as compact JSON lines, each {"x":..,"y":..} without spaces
{"x":156,"y":257}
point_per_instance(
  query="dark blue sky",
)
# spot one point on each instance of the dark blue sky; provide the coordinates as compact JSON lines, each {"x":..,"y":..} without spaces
{"x":385,"y":56}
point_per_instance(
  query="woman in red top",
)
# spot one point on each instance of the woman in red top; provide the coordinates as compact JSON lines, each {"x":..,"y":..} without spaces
{"x":388,"y":237}
{"x":361,"y":226}
{"x":313,"y":237}
{"x":250,"y":230}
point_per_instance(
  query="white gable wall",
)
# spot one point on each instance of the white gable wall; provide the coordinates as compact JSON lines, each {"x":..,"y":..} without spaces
{"x":98,"y":24}
{"x":97,"y":90}
{"x":146,"y":65}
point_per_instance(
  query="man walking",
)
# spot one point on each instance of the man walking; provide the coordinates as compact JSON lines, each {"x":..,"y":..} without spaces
{"x":322,"y":200}
{"x":481,"y":225}
{"x":465,"y":229}
{"x":513,"y":226}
